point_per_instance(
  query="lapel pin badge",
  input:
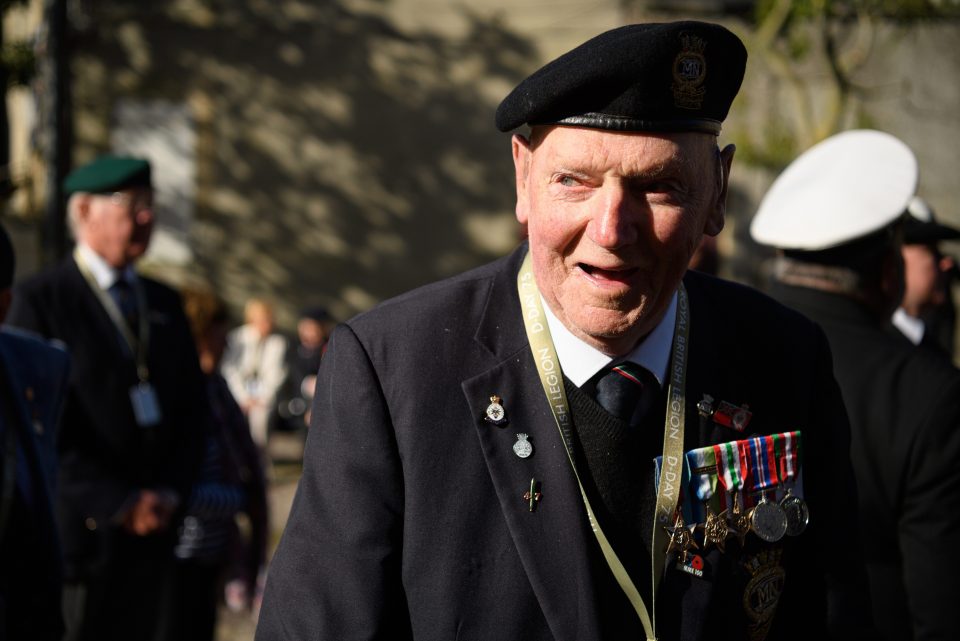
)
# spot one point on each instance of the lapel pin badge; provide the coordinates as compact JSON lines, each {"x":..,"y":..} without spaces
{"x":705,"y":407}
{"x":532,"y":496}
{"x":733,"y":416}
{"x":495,"y":413}
{"x":522,"y":448}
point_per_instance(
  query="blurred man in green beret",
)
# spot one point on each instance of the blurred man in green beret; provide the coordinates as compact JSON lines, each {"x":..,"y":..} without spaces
{"x":130,"y":443}
{"x":501,"y":455}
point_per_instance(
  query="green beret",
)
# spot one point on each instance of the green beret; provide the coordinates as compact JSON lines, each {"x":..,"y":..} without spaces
{"x":108,"y":174}
{"x":677,"y":76}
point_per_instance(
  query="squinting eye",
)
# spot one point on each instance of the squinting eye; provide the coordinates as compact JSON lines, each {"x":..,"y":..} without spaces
{"x":568,"y":181}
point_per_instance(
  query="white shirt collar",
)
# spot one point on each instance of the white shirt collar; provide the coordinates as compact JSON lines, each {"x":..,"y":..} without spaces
{"x":580,"y":361}
{"x":910,"y":326}
{"x":102,"y":271}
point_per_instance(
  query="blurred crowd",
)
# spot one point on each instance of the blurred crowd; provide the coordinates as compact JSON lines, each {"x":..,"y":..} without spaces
{"x":136,"y":420}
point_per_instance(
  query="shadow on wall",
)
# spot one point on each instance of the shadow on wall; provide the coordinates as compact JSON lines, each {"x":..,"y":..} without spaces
{"x":338,"y":160}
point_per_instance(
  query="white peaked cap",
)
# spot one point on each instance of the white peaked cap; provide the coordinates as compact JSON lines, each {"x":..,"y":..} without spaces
{"x":841,"y":189}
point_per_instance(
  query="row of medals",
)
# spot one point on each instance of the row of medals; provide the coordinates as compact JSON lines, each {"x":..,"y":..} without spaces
{"x":769,"y":520}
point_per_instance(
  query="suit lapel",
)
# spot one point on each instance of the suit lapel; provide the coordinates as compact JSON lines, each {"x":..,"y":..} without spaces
{"x":553,"y":539}
{"x":21,"y":413}
{"x":18,"y":393}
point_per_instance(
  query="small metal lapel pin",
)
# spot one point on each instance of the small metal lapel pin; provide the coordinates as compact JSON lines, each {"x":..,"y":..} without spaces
{"x":495,"y":413}
{"x":532,"y":496}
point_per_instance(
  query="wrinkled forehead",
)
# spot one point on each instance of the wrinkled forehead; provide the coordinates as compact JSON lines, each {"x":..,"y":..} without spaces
{"x":613,"y":147}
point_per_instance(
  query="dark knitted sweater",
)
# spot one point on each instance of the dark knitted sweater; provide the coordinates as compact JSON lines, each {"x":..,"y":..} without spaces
{"x":615,"y":463}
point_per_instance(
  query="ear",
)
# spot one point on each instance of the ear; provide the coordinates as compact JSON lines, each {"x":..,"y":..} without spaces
{"x":892,"y":284}
{"x":521,"y":167}
{"x":82,"y":208}
{"x":716,"y":218}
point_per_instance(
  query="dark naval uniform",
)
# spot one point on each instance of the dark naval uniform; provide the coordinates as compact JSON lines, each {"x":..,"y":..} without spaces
{"x":411,"y":521}
{"x":904,"y":406}
{"x":33,"y":381}
{"x":105,"y":455}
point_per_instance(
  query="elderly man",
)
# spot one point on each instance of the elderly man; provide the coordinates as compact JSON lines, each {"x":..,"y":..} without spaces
{"x":483,"y":453}
{"x":837,"y":215}
{"x":130,"y":442}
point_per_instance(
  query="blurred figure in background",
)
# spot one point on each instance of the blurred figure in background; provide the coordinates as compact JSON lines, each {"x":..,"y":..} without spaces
{"x":211,"y":550}
{"x":131,"y":438}
{"x":255,"y":367}
{"x":926,"y":315}
{"x":836,"y":215}
{"x":313,"y":329}
{"x":33,"y":384}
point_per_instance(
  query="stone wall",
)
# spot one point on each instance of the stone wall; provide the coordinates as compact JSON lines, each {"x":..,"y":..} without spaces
{"x":338,"y":153}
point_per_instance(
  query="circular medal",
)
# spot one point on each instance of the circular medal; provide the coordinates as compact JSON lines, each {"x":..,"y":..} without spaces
{"x":495,"y":413}
{"x":522,"y":447}
{"x":768,"y":521}
{"x":798,"y":515}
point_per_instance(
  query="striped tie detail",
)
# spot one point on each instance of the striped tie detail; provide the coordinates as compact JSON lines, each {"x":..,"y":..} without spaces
{"x":620,"y":388}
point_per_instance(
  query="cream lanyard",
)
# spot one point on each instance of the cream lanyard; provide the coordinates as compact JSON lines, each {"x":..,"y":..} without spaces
{"x":138,"y":346}
{"x":551,"y":377}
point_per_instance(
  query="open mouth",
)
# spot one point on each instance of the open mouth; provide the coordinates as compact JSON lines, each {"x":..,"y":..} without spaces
{"x":614,"y":275}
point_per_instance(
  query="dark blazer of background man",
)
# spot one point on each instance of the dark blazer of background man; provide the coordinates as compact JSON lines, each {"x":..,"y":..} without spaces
{"x":836,"y":213}
{"x":414,"y":518}
{"x":33,"y":383}
{"x":122,"y":475}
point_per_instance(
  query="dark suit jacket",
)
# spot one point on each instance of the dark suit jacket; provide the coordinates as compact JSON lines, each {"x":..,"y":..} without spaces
{"x":104,"y":454}
{"x":410,"y":520}
{"x":33,"y":381}
{"x":904,"y":404}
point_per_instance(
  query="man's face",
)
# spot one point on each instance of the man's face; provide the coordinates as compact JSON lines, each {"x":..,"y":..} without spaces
{"x":925,"y":278}
{"x":613,"y":219}
{"x":311,"y":332}
{"x":117,"y":226}
{"x":260,"y":317}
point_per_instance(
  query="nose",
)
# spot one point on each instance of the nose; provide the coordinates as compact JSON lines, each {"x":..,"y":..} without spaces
{"x":615,"y":222}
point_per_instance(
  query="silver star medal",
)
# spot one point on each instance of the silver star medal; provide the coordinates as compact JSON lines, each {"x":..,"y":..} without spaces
{"x":495,"y":413}
{"x":522,"y":447}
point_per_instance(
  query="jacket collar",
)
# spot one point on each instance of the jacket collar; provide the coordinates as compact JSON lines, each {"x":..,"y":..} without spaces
{"x":557,"y":527}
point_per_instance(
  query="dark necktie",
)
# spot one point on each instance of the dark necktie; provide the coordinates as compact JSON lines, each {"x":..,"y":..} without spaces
{"x":126,"y":300}
{"x":620,"y":389}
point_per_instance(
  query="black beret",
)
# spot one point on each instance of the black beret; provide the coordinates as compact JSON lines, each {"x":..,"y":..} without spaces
{"x":319,"y":314}
{"x":920,"y":225}
{"x":107,"y":174}
{"x":920,"y":232}
{"x":677,"y":76}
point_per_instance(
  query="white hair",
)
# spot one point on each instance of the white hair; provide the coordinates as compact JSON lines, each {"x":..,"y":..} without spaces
{"x":73,"y":213}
